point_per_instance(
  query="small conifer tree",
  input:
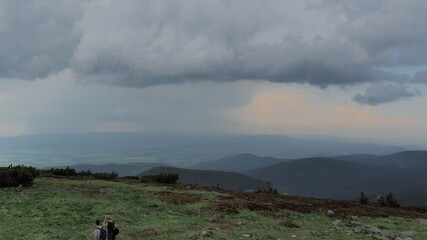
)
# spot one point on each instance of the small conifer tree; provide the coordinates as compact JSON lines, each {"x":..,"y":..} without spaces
{"x":363,"y":199}
{"x":382,"y":202}
{"x":392,"y":201}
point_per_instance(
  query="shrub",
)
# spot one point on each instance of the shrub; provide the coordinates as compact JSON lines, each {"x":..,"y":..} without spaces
{"x":132,"y":177}
{"x":269,"y":189}
{"x":71,"y":172}
{"x":32,"y":170}
{"x":67,"y":172}
{"x":170,"y":178}
{"x":106,"y":176}
{"x":85,"y":173}
{"x":14,"y":177}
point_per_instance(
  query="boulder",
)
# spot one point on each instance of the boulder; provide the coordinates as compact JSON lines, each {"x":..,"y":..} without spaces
{"x":388,"y":234}
{"x":369,"y":230}
{"x":421,"y":221}
{"x":336,"y":222}
{"x":409,"y":233}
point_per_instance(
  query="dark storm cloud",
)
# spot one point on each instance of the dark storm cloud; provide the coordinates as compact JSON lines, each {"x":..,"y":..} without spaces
{"x":36,"y":37}
{"x":378,"y":94}
{"x":420,"y":77}
{"x":144,"y":43}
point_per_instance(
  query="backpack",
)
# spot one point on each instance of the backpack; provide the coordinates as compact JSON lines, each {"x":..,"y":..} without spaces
{"x":112,"y":225}
{"x":116,"y":231}
{"x":103,"y":234}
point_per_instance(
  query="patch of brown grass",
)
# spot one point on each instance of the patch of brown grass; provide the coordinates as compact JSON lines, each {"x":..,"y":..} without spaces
{"x":289,"y":224}
{"x":179,"y":198}
{"x":144,"y":233}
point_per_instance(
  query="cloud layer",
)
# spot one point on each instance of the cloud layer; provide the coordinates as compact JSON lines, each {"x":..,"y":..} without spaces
{"x":136,"y":43}
{"x":152,"y":42}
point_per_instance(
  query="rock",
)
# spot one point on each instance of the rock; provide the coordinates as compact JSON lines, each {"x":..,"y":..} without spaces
{"x":239,"y":223}
{"x":330,"y":212}
{"x":407,"y":238}
{"x":421,"y":221}
{"x":369,"y":230}
{"x":316,"y":233}
{"x":354,"y":223}
{"x":336,"y":222}
{"x":207,"y":233}
{"x":409,"y":233}
{"x":354,"y":218}
{"x":294,"y":236}
{"x":349,"y":231}
{"x":381,"y":237}
{"x":337,"y":228}
{"x":388,"y":234}
{"x":246,"y":235}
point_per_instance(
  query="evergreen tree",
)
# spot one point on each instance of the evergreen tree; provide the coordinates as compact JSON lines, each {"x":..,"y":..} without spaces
{"x":363,"y":199}
{"x":391,"y":201}
{"x":382,"y":202}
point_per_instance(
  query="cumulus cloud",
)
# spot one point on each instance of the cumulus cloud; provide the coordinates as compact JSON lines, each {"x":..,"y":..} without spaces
{"x":382,"y":93}
{"x":144,"y":43}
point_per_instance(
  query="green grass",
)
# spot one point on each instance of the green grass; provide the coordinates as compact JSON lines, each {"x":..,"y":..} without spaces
{"x":66,"y":209}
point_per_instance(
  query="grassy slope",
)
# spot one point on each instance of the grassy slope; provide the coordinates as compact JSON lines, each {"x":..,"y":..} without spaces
{"x":66,"y":209}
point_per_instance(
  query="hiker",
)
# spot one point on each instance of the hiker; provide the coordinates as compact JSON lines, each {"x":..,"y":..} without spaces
{"x":111,"y":227}
{"x":99,"y":233}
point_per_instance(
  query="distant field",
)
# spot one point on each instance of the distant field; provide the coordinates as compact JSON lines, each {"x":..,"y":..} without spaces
{"x":179,"y":149}
{"x":66,"y":209}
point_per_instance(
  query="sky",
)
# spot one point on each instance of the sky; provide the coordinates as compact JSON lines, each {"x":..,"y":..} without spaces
{"x":352,"y":69}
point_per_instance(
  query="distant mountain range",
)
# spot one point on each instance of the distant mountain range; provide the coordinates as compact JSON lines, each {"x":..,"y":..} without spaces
{"x":239,"y":163}
{"x":345,"y":177}
{"x":339,"y":177}
{"x":225,"y":180}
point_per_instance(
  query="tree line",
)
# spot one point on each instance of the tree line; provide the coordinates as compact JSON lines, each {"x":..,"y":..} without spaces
{"x":21,"y":175}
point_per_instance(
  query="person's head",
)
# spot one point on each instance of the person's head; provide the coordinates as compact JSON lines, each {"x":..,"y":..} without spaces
{"x":108,"y":218}
{"x":98,"y":223}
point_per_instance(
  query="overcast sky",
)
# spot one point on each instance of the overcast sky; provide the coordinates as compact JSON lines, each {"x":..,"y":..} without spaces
{"x":355,"y":69}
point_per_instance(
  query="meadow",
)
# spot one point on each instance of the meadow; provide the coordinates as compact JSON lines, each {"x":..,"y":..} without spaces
{"x":66,"y":209}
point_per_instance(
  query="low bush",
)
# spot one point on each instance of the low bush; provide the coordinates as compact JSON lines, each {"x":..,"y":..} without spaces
{"x":85,"y":173}
{"x":268,"y":189}
{"x":14,"y":177}
{"x":132,"y":177}
{"x":67,"y":172}
{"x":105,"y":175}
{"x":170,"y":178}
{"x":71,"y":172}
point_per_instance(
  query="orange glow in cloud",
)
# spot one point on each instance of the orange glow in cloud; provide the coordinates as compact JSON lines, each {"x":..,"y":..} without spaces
{"x":293,"y":109}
